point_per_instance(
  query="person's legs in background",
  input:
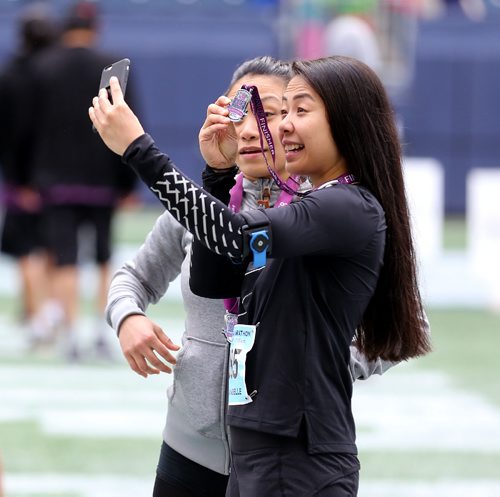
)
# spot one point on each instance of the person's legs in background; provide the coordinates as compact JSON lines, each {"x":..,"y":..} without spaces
{"x":101,"y":219}
{"x":21,"y":240}
{"x":75,"y":233}
{"x":61,"y":224}
{"x":32,"y":275}
{"x":34,"y":278}
{"x":66,"y":292}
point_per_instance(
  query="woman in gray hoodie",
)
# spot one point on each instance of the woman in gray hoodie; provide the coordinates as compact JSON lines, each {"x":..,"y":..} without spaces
{"x":195,"y":456}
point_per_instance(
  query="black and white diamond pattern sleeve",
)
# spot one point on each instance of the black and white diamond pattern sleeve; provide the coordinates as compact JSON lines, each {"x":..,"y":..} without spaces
{"x":208,"y":219}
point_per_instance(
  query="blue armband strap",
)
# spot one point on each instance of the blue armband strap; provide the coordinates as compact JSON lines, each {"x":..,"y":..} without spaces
{"x":259,"y":242}
{"x":257,"y":238}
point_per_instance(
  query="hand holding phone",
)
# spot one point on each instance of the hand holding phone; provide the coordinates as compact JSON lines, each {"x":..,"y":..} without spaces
{"x":117,"y":125}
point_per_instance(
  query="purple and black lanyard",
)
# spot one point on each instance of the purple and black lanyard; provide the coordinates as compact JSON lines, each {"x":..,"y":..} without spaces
{"x":237,"y":111}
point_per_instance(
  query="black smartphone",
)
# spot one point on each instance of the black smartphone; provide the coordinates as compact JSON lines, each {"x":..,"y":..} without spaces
{"x":119,"y":69}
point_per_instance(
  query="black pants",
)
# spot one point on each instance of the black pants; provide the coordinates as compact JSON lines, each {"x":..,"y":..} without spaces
{"x":266,"y":465}
{"x":62,"y":224}
{"x":178,"y":476}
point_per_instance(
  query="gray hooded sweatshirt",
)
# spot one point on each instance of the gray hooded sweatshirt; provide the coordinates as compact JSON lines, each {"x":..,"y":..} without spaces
{"x":195,"y":424}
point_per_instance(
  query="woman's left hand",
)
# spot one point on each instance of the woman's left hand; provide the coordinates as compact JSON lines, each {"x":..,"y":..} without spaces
{"x":115,"y":122}
{"x":217,"y":137}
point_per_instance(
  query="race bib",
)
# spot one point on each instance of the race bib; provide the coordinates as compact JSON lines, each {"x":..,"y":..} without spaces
{"x":241,"y":343}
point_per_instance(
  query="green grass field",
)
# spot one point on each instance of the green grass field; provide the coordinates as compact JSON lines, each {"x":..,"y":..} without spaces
{"x":95,"y":429}
{"x":465,"y":345}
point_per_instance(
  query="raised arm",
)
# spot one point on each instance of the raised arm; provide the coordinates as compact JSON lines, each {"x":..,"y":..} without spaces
{"x":206,"y":217}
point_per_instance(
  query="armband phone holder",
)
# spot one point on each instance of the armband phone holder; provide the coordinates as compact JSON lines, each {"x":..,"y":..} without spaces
{"x":257,"y":242}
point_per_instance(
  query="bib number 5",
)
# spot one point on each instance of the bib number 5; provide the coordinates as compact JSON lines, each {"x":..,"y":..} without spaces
{"x":241,"y":343}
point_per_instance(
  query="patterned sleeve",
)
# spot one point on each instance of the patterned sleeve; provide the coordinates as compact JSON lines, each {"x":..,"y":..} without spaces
{"x":206,"y":217}
{"x":331,"y":221}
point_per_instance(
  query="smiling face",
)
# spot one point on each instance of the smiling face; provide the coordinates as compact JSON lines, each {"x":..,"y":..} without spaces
{"x":249,"y":158}
{"x":310,"y":149}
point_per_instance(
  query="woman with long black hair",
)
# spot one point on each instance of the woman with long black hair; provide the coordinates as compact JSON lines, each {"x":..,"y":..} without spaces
{"x":311,"y":276}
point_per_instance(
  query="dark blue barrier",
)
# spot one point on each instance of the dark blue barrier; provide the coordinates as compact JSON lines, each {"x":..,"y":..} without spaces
{"x":452,"y":110}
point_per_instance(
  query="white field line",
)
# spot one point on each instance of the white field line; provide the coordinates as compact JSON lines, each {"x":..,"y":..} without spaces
{"x":440,"y":488}
{"x":82,"y":485}
{"x":85,"y":401}
{"x":124,"y":486}
{"x":404,"y":410}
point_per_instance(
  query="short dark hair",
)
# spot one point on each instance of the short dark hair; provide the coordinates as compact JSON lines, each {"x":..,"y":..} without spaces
{"x":363,"y":127}
{"x":262,"y":66}
{"x":37,"y":27}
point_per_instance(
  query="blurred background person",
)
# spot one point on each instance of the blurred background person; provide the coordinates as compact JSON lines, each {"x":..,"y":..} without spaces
{"x":310,"y":43}
{"x":352,"y":33}
{"x":475,"y":10}
{"x":80,"y":181}
{"x":21,"y":235}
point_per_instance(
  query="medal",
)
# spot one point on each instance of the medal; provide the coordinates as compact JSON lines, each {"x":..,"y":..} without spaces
{"x":238,"y":106}
{"x":230,"y":320}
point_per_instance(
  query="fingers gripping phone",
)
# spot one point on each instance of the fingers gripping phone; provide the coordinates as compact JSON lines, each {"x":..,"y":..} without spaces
{"x":119,"y":69}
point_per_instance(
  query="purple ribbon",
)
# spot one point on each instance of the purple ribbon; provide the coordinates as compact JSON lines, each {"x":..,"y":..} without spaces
{"x":290,"y":187}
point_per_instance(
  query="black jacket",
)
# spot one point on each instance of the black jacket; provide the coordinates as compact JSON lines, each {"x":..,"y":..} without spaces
{"x":307,"y":301}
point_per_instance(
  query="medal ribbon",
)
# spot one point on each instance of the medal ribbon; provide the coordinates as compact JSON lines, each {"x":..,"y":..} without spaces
{"x":290,"y":187}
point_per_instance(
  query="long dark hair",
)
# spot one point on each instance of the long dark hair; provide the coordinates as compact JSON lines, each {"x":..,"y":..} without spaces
{"x":363,"y":127}
{"x":262,"y":66}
